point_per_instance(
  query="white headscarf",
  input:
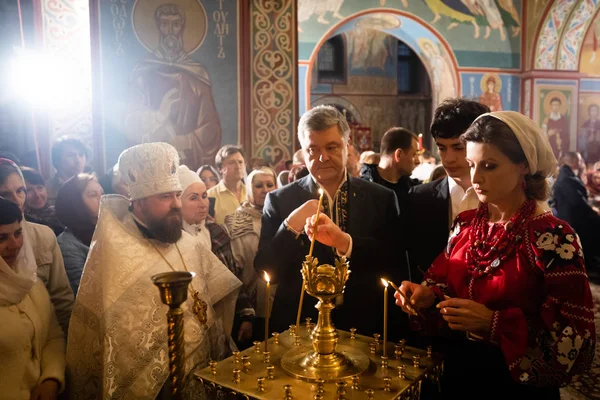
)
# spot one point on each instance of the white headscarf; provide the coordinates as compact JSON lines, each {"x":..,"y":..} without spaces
{"x":250,"y":178}
{"x":534,"y":143}
{"x":16,"y":281}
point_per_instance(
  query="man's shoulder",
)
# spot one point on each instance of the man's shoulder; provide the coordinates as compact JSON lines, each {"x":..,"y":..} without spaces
{"x":371,"y":188}
{"x":369,"y":172}
{"x":292,"y":189}
{"x":429,"y":188}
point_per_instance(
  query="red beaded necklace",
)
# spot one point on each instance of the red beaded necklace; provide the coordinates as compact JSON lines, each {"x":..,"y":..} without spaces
{"x":488,"y":250}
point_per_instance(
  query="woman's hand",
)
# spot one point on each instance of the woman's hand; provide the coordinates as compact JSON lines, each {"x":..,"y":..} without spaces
{"x":245,"y":332}
{"x":419,"y":296}
{"x":47,"y":390}
{"x":466,"y":315}
{"x":327,"y":233}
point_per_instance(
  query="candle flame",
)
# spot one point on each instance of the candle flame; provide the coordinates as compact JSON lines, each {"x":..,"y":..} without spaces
{"x":321,"y":192}
{"x":385,"y":282}
{"x":420,"y":135}
{"x":267,"y":277}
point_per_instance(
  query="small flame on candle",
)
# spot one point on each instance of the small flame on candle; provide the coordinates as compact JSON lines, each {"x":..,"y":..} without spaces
{"x":385,"y":282}
{"x":267,"y":277}
{"x":321,"y":192}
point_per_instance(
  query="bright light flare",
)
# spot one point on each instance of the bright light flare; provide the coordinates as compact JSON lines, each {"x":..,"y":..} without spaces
{"x":267,"y":277}
{"x":47,"y":82}
{"x":385,"y":282}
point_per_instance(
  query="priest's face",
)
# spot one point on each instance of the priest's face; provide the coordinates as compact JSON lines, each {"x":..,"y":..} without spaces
{"x":326,"y":155}
{"x":162,"y":214}
{"x":11,"y":241}
{"x":194,"y":203}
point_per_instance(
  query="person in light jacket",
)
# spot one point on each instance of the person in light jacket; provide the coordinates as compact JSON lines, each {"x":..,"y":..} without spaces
{"x":32,"y":344}
{"x":49,"y":260}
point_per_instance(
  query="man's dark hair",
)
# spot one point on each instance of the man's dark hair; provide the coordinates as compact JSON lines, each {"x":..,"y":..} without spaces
{"x":226,"y":151}
{"x":396,"y":138}
{"x":571,"y":157}
{"x":426,"y":154}
{"x":168,"y":10}
{"x":555,"y":99}
{"x":454,"y":116}
{"x":32,"y":177}
{"x":9,"y":212}
{"x":58,"y":148}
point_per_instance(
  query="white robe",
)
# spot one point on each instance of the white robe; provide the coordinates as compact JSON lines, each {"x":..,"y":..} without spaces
{"x":117,"y":345}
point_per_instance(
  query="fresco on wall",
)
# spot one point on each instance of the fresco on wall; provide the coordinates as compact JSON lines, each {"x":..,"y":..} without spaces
{"x":491,"y":85}
{"x":588,"y":138}
{"x":590,"y":52}
{"x":555,"y":116}
{"x":437,"y":61}
{"x":496,"y":90}
{"x":173,"y":75}
{"x":369,"y":49}
{"x":481,"y":32}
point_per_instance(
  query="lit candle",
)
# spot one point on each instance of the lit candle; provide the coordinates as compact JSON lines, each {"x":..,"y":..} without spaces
{"x":420,"y":141}
{"x":385,"y":314}
{"x":268,"y":311}
{"x":312,"y":242}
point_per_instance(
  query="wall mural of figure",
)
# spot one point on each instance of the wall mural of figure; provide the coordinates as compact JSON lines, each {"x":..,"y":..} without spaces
{"x":492,"y":14}
{"x":491,"y":85}
{"x":368,"y":46}
{"x":441,"y":72}
{"x":308,"y":8}
{"x":556,"y":122}
{"x":171,"y":95}
{"x":589,"y":134}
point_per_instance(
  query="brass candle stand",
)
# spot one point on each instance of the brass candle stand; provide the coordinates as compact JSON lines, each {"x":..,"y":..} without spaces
{"x":320,"y":362}
{"x":326,"y":360}
{"x":173,"y":287}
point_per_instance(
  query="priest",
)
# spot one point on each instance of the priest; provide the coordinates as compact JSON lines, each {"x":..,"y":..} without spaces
{"x":117,"y":345}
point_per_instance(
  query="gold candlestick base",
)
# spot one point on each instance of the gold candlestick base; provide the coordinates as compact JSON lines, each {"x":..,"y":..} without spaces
{"x":326,"y":360}
{"x":173,"y":287}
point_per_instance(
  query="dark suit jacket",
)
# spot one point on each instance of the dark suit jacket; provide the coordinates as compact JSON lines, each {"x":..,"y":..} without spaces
{"x":430,"y":208}
{"x":372,"y":223}
{"x":570,"y":203}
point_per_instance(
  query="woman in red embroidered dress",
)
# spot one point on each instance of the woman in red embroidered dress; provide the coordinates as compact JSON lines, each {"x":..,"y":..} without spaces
{"x":511,"y":293}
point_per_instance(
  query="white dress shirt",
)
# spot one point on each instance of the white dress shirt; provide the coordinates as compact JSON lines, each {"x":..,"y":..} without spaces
{"x":461,"y":200}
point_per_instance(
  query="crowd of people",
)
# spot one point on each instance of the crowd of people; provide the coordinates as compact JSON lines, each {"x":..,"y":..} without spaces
{"x":492,"y":246}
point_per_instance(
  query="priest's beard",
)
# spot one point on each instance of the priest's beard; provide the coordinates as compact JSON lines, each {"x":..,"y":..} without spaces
{"x":166,"y":229}
{"x":171,"y":46}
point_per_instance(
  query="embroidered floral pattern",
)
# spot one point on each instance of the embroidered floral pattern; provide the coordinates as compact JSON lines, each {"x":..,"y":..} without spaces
{"x":560,"y":246}
{"x":568,"y":347}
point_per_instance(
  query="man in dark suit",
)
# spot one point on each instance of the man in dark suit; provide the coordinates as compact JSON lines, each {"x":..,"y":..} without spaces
{"x":570,"y":203}
{"x":359,"y":220}
{"x":433,"y":206}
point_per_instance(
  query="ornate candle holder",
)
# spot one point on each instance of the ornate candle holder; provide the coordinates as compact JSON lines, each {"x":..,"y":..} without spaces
{"x":173,"y":287}
{"x":326,"y":360}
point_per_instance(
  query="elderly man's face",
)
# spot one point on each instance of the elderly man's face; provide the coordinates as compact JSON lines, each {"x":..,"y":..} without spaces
{"x":170,"y":25}
{"x":326,"y":154}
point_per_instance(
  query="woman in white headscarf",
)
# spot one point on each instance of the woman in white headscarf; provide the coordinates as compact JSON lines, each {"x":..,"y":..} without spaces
{"x":51,"y":267}
{"x":244,"y":229}
{"x":511,"y":292}
{"x":32,"y":345}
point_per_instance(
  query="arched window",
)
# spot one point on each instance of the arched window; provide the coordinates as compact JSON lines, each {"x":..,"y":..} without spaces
{"x":409,"y":70}
{"x":331,"y":61}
